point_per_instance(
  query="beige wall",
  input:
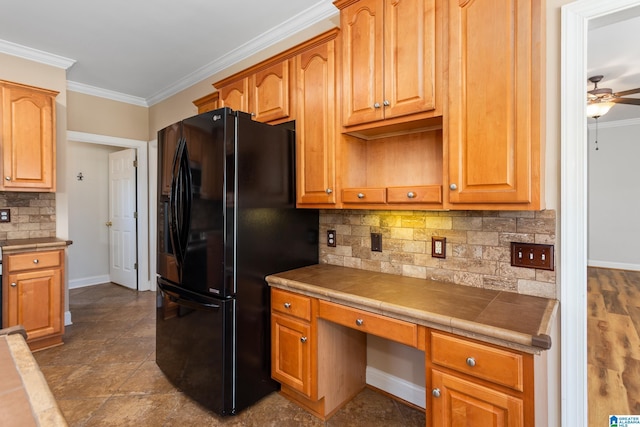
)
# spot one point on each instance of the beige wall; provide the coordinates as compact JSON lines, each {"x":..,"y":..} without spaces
{"x":101,"y":116}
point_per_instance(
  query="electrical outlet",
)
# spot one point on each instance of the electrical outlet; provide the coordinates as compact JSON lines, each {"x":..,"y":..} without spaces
{"x":331,"y":238}
{"x":5,"y":215}
{"x":438,"y":247}
{"x":532,"y":255}
{"x":376,"y":242}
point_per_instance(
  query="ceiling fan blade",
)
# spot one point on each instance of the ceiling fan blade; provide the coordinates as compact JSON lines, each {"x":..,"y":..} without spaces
{"x":627,"y":92}
{"x":630,"y":101}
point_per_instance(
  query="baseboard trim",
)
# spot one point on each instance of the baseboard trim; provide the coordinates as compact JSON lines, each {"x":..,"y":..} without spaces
{"x":396,"y":386}
{"x":89,"y":281}
{"x":67,"y":318}
{"x":613,"y":265}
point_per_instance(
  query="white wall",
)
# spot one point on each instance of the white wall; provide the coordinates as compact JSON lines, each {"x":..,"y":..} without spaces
{"x":614,"y":197}
{"x":88,"y":213}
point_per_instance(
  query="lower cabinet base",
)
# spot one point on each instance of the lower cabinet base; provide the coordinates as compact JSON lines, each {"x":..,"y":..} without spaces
{"x":317,"y":407}
{"x":46,"y":342}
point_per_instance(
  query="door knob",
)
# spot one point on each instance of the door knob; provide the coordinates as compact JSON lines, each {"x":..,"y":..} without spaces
{"x":108,"y":223}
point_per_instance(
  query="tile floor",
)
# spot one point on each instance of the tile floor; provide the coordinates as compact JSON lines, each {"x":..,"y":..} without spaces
{"x":105,"y":375}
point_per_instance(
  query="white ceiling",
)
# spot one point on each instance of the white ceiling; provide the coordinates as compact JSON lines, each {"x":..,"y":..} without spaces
{"x":150,"y":49}
{"x":613,"y":51}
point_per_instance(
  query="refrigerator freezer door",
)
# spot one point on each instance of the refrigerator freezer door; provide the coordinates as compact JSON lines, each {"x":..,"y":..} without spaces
{"x":194,"y":346}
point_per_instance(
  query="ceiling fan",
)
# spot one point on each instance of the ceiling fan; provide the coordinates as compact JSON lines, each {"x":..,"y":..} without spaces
{"x":600,"y":100}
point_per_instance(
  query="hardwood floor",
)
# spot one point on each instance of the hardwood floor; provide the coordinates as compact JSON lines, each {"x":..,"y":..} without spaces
{"x":613,"y":329}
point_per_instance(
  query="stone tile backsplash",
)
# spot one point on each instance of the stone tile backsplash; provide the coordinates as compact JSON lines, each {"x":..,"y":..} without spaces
{"x":477,"y":246}
{"x":33,"y":215}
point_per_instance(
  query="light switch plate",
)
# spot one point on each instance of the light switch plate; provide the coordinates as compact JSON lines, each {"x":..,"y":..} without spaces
{"x":438,"y":247}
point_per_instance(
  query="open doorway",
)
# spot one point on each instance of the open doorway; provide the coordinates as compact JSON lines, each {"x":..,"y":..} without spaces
{"x":573,"y":219}
{"x":82,"y":216}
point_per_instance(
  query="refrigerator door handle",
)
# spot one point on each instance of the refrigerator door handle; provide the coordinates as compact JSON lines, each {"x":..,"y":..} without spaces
{"x":182,"y":300}
{"x":180,"y":202}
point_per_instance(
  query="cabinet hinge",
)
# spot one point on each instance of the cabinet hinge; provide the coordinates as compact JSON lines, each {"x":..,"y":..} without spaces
{"x":135,"y":215}
{"x":135,"y":163}
{"x":135,"y":265}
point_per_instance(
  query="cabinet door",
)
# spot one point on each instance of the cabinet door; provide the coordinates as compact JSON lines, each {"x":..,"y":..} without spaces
{"x":458,"y":402}
{"x":291,"y":353}
{"x":362,"y":62}
{"x":270,"y":93}
{"x":28,"y":138}
{"x":35,"y":301}
{"x":494,"y":120}
{"x":409,"y":57}
{"x":235,"y":95}
{"x":315,"y":126}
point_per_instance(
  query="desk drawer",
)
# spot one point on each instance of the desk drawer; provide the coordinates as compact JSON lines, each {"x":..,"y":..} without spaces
{"x":31,"y":260}
{"x":364,"y":195}
{"x":290,"y":303}
{"x":481,"y":361}
{"x":370,"y":323}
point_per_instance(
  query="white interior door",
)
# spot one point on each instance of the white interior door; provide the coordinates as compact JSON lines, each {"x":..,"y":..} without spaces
{"x":122,"y":218}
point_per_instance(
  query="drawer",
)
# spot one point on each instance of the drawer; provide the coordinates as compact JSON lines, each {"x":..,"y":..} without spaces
{"x":415,"y":194}
{"x":499,"y":366}
{"x":364,"y":195}
{"x":370,"y":323}
{"x":31,"y":260}
{"x":290,"y":303}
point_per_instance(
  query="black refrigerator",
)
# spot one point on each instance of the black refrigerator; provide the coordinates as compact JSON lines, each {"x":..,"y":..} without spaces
{"x":226,"y":220}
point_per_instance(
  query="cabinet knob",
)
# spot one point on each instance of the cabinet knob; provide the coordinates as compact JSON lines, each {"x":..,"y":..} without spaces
{"x":411,"y":194}
{"x":13,"y":284}
{"x":471,"y":361}
{"x":303,"y":339}
{"x":376,"y":105}
{"x":453,"y":187}
{"x":35,"y":261}
{"x":328,"y":191}
{"x":435,"y":392}
{"x":386,"y":103}
{"x":287,"y":305}
{"x":359,"y":322}
{"x":360,"y":196}
{"x":7,"y":178}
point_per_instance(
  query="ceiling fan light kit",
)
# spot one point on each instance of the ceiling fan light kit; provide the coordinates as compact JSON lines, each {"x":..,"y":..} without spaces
{"x":600,"y":100}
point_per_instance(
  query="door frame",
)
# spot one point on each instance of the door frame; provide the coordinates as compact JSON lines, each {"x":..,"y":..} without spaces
{"x":573,"y":202}
{"x":142,"y":194}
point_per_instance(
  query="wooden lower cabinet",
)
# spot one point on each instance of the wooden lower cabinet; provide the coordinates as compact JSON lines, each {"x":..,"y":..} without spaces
{"x":34,"y":298}
{"x":477,"y":384}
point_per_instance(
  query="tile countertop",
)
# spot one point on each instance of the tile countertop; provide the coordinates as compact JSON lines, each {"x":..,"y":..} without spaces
{"x":38,"y":244}
{"x":505,"y":318}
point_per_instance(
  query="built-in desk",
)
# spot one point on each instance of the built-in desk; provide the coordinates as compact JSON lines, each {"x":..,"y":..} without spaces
{"x":484,"y":349}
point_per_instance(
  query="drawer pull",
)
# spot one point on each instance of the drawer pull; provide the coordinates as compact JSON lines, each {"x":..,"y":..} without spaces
{"x":411,"y":194}
{"x":359,"y":322}
{"x":471,"y":361}
{"x":435,"y":392}
{"x":13,"y":284}
{"x":360,"y":196}
{"x":303,"y":339}
{"x":287,"y":305}
{"x":35,"y":261}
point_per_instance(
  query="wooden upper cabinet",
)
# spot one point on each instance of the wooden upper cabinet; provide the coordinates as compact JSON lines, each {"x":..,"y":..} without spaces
{"x":269,"y":98}
{"x":316,"y":125}
{"x":263,"y":91}
{"x":28,"y":138}
{"x":494,"y":121}
{"x":207,"y":102}
{"x":235,"y":95}
{"x":390,"y":64}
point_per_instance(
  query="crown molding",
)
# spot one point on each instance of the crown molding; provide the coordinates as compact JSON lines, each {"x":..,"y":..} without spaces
{"x":615,"y":124}
{"x":36,"y":55}
{"x":317,"y":13}
{"x":105,"y":93}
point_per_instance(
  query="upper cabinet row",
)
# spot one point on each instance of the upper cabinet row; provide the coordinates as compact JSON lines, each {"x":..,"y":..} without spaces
{"x":27,"y":138}
{"x":412,"y":104}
